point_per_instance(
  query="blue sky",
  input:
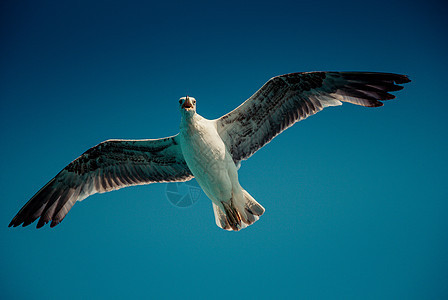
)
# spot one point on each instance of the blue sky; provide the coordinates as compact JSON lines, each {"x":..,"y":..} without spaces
{"x":356,"y":199}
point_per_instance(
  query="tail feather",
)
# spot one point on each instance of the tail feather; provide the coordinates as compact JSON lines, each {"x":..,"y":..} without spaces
{"x":236,"y":216}
{"x":252,"y":206}
{"x":220,"y":218}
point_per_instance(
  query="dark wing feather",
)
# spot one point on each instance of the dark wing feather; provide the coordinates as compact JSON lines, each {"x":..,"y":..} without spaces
{"x":111,"y":165}
{"x":287,"y":99}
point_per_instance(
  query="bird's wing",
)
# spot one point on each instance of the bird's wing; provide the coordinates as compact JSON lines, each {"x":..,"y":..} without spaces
{"x":287,"y":99}
{"x":111,"y":165}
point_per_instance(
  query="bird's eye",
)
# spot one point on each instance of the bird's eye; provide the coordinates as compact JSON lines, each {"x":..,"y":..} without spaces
{"x":194,"y":101}
{"x":180,"y":101}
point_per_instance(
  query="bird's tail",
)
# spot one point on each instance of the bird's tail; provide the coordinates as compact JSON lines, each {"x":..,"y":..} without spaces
{"x":238,"y":214}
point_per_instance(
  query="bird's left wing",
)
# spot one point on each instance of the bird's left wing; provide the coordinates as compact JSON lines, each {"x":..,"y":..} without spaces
{"x":111,"y":165}
{"x":287,"y":99}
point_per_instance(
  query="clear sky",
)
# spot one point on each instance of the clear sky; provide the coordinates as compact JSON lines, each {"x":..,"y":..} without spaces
{"x":356,"y":199}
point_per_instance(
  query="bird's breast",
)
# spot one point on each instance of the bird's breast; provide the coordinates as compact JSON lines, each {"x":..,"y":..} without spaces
{"x":203,"y":149}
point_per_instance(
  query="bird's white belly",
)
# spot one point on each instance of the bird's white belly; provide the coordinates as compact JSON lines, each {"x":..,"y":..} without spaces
{"x":209,"y":161}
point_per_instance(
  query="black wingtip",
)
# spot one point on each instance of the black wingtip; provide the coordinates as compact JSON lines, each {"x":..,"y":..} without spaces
{"x":395,"y":88}
{"x":20,"y":220}
{"x":402,"y":79}
{"x":41,"y":223}
{"x":27,"y":222}
{"x":377,"y":104}
{"x":14,"y":222}
{"x":377,"y":76}
{"x":54,"y":223}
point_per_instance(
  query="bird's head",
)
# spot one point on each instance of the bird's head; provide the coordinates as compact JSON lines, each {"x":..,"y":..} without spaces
{"x":187,"y":104}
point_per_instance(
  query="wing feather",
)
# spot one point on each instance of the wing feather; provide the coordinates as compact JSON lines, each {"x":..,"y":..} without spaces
{"x":287,"y":99}
{"x":111,"y":165}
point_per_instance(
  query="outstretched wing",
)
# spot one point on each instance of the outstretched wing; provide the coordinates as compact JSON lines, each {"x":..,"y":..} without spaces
{"x":111,"y":165}
{"x":287,"y":99}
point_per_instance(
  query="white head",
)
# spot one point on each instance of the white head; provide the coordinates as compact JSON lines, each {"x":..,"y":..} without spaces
{"x":187,"y":105}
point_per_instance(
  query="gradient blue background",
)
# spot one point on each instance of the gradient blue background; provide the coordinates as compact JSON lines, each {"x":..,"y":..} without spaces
{"x":356,"y":199}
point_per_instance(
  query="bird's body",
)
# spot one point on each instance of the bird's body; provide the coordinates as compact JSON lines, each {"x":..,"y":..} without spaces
{"x":207,"y":157}
{"x":214,"y":169}
{"x":209,"y":150}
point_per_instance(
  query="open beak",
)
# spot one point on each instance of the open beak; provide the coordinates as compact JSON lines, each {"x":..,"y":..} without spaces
{"x":188,"y":104}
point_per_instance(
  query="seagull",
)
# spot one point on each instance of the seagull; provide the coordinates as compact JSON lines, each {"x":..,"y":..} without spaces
{"x":209,"y":150}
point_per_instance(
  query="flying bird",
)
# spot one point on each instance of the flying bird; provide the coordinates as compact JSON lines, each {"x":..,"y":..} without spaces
{"x":209,"y":150}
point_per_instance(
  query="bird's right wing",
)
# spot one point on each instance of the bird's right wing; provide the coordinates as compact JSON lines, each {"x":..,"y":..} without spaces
{"x":111,"y":165}
{"x":287,"y":99}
